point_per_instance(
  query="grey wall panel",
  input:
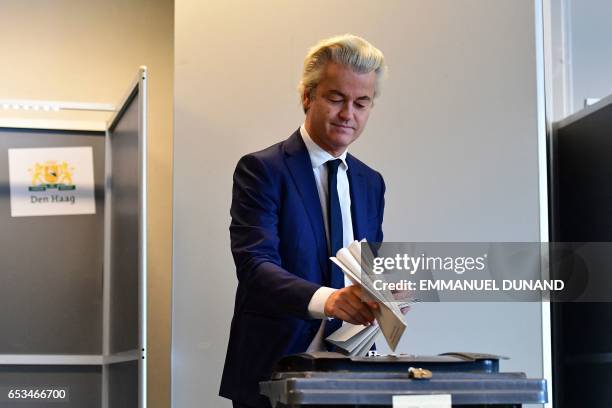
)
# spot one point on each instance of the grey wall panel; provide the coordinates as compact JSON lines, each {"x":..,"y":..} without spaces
{"x":51,"y":266}
{"x":124,"y":231}
{"x":454,"y":133}
{"x":123,"y":385}
{"x":83,"y":383}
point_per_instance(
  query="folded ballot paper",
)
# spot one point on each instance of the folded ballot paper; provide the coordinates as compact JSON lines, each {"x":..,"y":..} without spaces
{"x":356,"y":340}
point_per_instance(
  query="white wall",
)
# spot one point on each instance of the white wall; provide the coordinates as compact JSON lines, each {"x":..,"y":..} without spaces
{"x":454,"y":133}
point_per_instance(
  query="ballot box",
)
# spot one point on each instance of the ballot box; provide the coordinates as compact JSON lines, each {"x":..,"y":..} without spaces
{"x":327,"y":379}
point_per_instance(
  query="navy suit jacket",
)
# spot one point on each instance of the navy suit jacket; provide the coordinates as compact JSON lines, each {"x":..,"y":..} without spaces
{"x":280,"y":250}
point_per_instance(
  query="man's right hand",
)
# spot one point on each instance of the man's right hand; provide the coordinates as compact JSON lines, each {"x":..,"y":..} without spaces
{"x":348,"y":304}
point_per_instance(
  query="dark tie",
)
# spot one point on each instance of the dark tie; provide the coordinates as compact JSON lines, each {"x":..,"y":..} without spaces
{"x":335,"y":277}
{"x":336,"y":241}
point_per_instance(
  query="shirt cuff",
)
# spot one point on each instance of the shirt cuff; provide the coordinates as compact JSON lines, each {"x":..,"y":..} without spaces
{"x":316,"y":306}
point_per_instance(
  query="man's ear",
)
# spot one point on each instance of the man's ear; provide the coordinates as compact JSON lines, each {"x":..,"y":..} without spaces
{"x":306,"y":101}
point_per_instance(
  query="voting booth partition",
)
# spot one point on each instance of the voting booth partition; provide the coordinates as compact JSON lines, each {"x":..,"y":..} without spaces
{"x":581,"y":215}
{"x":73,"y":289}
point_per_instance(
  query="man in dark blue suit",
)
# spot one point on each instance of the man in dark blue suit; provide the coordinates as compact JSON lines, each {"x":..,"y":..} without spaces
{"x":294,"y":204}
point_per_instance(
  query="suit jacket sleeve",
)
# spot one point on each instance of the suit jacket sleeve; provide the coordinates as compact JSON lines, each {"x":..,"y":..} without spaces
{"x":254,"y":236}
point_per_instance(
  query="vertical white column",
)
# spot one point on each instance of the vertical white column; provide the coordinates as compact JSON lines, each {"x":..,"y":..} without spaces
{"x":142,"y":161}
{"x":544,"y":102}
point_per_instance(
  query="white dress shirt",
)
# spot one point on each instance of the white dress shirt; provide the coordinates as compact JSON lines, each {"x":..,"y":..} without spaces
{"x":318,"y":158}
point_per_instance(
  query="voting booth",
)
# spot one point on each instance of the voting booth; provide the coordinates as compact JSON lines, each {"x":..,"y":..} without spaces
{"x":73,"y":259}
{"x":581,"y":171}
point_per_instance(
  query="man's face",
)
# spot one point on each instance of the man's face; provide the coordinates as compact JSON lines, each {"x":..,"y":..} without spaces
{"x":339,"y":110}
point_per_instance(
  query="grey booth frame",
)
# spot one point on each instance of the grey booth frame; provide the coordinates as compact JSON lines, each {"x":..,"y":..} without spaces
{"x":117,"y":361}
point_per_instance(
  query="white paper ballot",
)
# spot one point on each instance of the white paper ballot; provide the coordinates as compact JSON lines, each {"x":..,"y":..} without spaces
{"x":354,"y":339}
{"x":422,"y":401}
{"x":389,"y":316}
{"x":363,"y":349}
{"x":347,"y":332}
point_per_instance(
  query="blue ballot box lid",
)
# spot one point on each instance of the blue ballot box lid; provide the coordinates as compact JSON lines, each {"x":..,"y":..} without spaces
{"x":325,"y":378}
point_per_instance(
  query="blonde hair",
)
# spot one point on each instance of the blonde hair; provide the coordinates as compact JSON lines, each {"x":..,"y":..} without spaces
{"x":348,"y":50}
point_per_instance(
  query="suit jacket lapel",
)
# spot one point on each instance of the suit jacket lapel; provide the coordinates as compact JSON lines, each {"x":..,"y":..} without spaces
{"x":359,"y":202}
{"x":300,"y":167}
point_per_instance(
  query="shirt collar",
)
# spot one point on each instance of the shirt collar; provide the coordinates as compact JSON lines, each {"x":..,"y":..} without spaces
{"x":318,"y":156}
